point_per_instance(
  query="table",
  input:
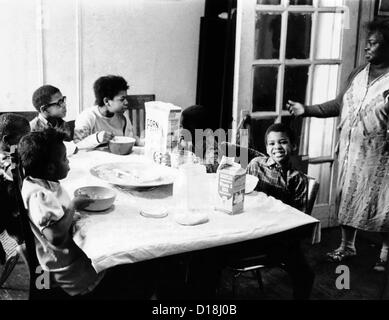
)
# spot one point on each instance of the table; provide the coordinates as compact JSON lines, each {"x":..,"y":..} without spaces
{"x":121,"y":235}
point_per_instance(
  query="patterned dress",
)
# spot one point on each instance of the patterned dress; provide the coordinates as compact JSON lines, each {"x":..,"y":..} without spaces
{"x":363,"y":152}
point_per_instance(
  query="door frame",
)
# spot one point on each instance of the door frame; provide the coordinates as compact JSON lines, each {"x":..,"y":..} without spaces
{"x":242,"y":95}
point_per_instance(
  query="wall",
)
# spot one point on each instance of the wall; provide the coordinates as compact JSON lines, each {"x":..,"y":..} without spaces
{"x":153,"y":44}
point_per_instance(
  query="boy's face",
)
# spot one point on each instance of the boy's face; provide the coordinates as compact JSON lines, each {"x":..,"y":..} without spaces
{"x":60,"y":167}
{"x":118,"y":104}
{"x":279,"y":147}
{"x":56,"y":108}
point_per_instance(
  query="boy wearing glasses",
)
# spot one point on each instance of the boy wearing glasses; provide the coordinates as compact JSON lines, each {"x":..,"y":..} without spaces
{"x":108,"y":117}
{"x":51,"y":105}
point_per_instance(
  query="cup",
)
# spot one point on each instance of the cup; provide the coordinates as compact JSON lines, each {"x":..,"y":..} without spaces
{"x":181,"y":157}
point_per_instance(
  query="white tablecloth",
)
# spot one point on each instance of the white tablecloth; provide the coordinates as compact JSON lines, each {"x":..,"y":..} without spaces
{"x":121,"y":235}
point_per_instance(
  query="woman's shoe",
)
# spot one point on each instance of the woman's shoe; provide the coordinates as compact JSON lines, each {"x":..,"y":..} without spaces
{"x":339,"y":255}
{"x":380,"y":265}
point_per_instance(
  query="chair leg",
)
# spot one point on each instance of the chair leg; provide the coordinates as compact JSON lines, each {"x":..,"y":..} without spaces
{"x":234,"y":284}
{"x":9,"y":266}
{"x":259,"y":280}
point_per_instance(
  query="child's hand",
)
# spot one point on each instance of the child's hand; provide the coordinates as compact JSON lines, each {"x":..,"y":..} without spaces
{"x":104,"y":136}
{"x":80,"y":202}
{"x":77,"y":216}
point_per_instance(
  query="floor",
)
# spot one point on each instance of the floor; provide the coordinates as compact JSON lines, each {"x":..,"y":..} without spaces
{"x":365,"y":284}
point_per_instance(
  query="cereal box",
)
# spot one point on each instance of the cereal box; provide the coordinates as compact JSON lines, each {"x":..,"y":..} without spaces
{"x":162,"y":126}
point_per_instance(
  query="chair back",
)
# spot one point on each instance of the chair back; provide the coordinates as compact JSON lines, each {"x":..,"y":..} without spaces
{"x":29,"y":115}
{"x":71,"y":125}
{"x":8,"y":256}
{"x":27,"y":234}
{"x":136,"y":111}
{"x":241,"y":153}
{"x":244,"y":138}
{"x":313,"y":189}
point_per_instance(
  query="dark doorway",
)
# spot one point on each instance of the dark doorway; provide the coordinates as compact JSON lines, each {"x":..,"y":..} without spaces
{"x":216,"y":61}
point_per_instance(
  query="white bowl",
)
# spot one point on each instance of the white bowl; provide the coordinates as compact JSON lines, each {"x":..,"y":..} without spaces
{"x":251,"y":183}
{"x":121,"y":145}
{"x":102,"y":197}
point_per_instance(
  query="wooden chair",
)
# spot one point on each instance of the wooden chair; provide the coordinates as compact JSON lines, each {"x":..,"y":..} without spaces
{"x":9,"y":248}
{"x":313,"y":189}
{"x":29,"y":115}
{"x":136,"y":111}
{"x":27,"y":234}
{"x":254,"y":264}
{"x":71,"y":125}
{"x":244,"y":154}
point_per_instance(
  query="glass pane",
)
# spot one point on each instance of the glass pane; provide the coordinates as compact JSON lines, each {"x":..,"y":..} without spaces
{"x":321,"y":137}
{"x":321,"y":130}
{"x":258,"y":129}
{"x":295,"y":124}
{"x":330,"y":3}
{"x":295,"y":84}
{"x":265,"y":88}
{"x":273,"y":2}
{"x":300,"y":2}
{"x":267,"y":36}
{"x":298,"y":39}
{"x":329,"y":31}
{"x":322,"y":172}
{"x":325,"y":83}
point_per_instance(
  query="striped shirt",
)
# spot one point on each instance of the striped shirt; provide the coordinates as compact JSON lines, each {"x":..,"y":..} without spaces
{"x":283,"y":183}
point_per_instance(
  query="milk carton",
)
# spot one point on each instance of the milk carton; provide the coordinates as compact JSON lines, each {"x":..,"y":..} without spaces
{"x":162,"y":129}
{"x":231,"y":188}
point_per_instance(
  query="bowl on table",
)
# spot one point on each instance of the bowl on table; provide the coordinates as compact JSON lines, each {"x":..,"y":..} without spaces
{"x":251,"y":183}
{"x":102,"y":197}
{"x":121,"y":145}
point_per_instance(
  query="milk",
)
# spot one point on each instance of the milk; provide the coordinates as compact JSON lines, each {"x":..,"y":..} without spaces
{"x":230,"y":189}
{"x":162,"y":129}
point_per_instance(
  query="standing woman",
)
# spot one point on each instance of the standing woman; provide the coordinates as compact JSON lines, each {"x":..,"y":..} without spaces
{"x":363,"y":147}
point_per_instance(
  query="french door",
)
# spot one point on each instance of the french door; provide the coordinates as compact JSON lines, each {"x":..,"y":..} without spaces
{"x":301,"y":50}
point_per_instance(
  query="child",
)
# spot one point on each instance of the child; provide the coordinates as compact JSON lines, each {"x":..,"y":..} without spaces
{"x":51,"y":105}
{"x":43,"y":156}
{"x":12,"y":128}
{"x":51,"y":212}
{"x":206,"y":148}
{"x":108,"y":118}
{"x":276,"y":176}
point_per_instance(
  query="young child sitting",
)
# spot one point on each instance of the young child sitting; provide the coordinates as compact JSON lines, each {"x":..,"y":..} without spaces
{"x":277,"y":178}
{"x":276,"y":175}
{"x":204,"y":146}
{"x":51,"y":105}
{"x":51,"y":212}
{"x":12,"y":128}
{"x":108,"y":118}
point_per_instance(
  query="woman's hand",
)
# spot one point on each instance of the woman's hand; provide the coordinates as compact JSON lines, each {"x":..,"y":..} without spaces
{"x":104,"y":136}
{"x":295,"y":108}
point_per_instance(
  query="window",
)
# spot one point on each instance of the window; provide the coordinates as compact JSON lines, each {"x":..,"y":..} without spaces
{"x":296,"y":47}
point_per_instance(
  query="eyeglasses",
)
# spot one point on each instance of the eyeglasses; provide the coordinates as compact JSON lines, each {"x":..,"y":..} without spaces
{"x":60,"y":103}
